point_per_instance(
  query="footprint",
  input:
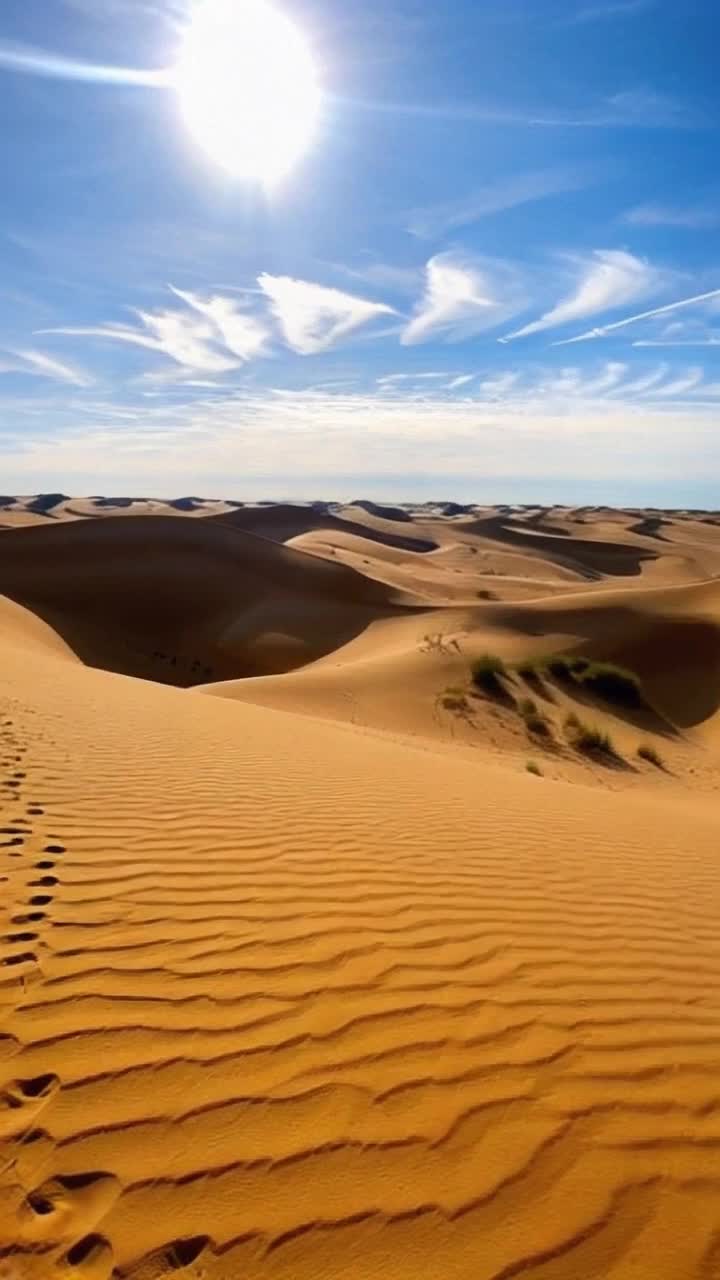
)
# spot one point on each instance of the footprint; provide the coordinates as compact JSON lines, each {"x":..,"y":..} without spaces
{"x":23,"y":957}
{"x":44,"y":866}
{"x":92,"y":1258}
{"x":173,"y":1257}
{"x":28,"y":917}
{"x":182,"y":1253}
{"x":54,"y":848}
{"x":35,"y":1087}
{"x":8,"y":844}
{"x":22,"y":1100}
{"x":35,"y":809}
{"x":45,"y":881}
{"x":40,"y":900}
{"x":66,"y":1205}
{"x":19,"y":937}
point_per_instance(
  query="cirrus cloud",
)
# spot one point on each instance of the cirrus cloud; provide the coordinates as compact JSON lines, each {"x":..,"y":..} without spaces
{"x":463,"y":296}
{"x":312,"y":317}
{"x":610,"y":278}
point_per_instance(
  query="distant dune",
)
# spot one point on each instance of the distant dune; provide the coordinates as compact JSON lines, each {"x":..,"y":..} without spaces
{"x":321,"y":959}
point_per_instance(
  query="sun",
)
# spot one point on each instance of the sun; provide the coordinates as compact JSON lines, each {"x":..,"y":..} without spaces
{"x":248,"y":87}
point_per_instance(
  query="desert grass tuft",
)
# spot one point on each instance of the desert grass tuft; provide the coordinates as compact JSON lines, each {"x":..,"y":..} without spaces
{"x":589,"y":739}
{"x":612,"y":683}
{"x":487,"y":672}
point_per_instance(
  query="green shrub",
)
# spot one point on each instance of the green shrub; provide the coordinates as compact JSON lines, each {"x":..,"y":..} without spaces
{"x":534,"y":768}
{"x":487,"y":672}
{"x":578,"y":665}
{"x":603,"y":679}
{"x":560,"y":666}
{"x":529,"y":668}
{"x":538,"y":725}
{"x":589,"y":739}
{"x":613,"y":684}
{"x":646,"y":751}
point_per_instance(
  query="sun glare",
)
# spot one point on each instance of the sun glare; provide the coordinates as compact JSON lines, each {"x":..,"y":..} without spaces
{"x":248,"y":87}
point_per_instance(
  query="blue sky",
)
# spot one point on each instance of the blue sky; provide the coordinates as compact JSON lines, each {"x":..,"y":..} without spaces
{"x":439,"y":299}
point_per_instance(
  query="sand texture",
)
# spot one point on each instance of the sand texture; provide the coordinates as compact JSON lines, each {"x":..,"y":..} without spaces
{"x":303,"y":976}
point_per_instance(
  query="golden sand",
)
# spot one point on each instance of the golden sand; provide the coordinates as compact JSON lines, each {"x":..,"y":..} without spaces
{"x":310,"y":979}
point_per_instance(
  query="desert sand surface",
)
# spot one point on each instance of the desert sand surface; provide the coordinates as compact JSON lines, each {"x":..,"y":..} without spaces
{"x":303,"y":974}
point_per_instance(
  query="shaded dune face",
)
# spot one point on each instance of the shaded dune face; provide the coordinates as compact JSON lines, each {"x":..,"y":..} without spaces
{"x":669,"y":639}
{"x":282,"y":522}
{"x":591,"y":559}
{"x":185,"y":601}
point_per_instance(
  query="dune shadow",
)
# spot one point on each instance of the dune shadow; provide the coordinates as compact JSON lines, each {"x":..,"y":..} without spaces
{"x":592,"y":560}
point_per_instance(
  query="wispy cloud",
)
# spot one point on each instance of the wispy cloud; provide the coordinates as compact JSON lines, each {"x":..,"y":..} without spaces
{"x":313,"y":318}
{"x":610,"y":377}
{"x":537,"y":428}
{"x":383,"y":275}
{"x":610,"y":9}
{"x":680,"y":386}
{"x":28,"y":60}
{"x":642,"y":315}
{"x":611,"y":278}
{"x":463,"y":296}
{"x":637,"y":108}
{"x":390,"y":379}
{"x":238,"y":331}
{"x":505,"y":193}
{"x":712,"y":340}
{"x":692,"y":218}
{"x":44,"y":366}
{"x":462,"y":381}
{"x":212,"y":336}
{"x":498,"y":386}
{"x":646,"y":380}
{"x":112,"y":10}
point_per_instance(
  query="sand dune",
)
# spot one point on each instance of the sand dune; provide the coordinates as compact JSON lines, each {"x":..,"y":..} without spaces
{"x":285,"y":521}
{"x":310,"y":978}
{"x":183,"y":600}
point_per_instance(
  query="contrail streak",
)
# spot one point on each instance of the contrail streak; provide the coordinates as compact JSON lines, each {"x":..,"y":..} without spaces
{"x":642,"y":315}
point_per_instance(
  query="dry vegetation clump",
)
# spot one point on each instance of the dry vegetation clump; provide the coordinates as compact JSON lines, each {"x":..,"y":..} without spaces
{"x":646,"y":751}
{"x":605,"y":680}
{"x":535,"y":722}
{"x":487,"y":672}
{"x":612,"y":683}
{"x":588,"y":739}
{"x":454,"y":699}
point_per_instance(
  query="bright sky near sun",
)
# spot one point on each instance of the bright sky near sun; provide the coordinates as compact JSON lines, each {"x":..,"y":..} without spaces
{"x":312,"y":248}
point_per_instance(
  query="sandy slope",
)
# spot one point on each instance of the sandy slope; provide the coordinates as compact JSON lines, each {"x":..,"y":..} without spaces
{"x":309,"y":979}
{"x":392,"y":678}
{"x":287,"y":1001}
